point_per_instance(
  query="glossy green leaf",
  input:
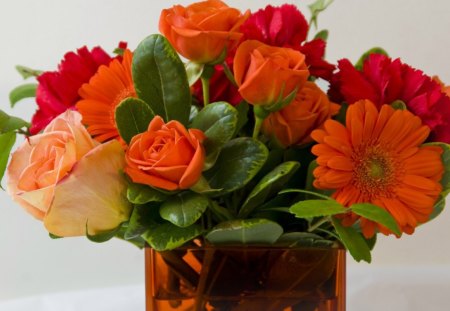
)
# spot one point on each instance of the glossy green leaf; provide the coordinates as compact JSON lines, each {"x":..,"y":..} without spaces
{"x":143,"y":218}
{"x":242,"y":110}
{"x":132,"y":117}
{"x":160,"y":79}
{"x":168,"y":236}
{"x":376,"y":214}
{"x":317,"y":208}
{"x":245,"y":231}
{"x":141,"y":194}
{"x":268,"y":186}
{"x":362,"y":59}
{"x":9,"y":123}
{"x":218,"y":122}
{"x":26,"y":72}
{"x":219,"y":212}
{"x":438,"y":208}
{"x":184,"y":209}
{"x":194,"y":72}
{"x":194,"y":112}
{"x":238,"y":162}
{"x":323,"y":34}
{"x":22,"y":92}
{"x":353,"y":241}
{"x":7,"y":141}
{"x":305,"y":239}
{"x":102,"y":237}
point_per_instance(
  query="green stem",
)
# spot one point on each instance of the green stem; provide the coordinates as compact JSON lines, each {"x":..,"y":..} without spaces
{"x":205,"y":87}
{"x":228,"y":73}
{"x":257,"y":128}
{"x":319,"y":223}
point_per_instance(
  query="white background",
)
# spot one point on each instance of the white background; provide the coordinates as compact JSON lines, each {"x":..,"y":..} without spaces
{"x":38,"y":33}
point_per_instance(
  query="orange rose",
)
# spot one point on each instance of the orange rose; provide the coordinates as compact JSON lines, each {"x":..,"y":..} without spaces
{"x":293,"y":124}
{"x":69,"y":180}
{"x":167,"y":156}
{"x":266,"y":74}
{"x":202,"y":31}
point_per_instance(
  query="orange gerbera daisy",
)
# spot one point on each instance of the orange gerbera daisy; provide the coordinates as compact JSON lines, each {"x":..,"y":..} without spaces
{"x":100,"y":97}
{"x":378,"y":158}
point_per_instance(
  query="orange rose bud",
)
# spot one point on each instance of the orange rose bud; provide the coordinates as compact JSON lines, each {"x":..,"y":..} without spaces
{"x":167,"y":156}
{"x":293,"y":124}
{"x":266,"y":73}
{"x":202,"y":31}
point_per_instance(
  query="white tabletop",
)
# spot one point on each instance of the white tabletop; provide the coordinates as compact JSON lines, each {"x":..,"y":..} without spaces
{"x":368,"y":289}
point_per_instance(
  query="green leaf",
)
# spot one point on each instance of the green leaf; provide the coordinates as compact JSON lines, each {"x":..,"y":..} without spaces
{"x":375,"y":50}
{"x":141,"y":194}
{"x":323,"y":34}
{"x":353,"y":241}
{"x":102,"y":237}
{"x":219,"y":212}
{"x":218,"y":122}
{"x":9,"y":123}
{"x":242,"y":110}
{"x":194,"y":112}
{"x":317,"y":208}
{"x":143,"y":218}
{"x":184,"y":209}
{"x":316,"y":8}
{"x":168,"y":236}
{"x":238,"y":162}
{"x":194,"y":72}
{"x":26,"y":72}
{"x":306,"y":239}
{"x":376,"y":214}
{"x":160,"y":79}
{"x":268,"y":186}
{"x":245,"y":231}
{"x":7,"y":141}
{"x":21,"y":92}
{"x":132,"y":117}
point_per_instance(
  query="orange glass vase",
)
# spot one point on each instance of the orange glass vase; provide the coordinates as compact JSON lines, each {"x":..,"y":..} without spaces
{"x":246,"y":279}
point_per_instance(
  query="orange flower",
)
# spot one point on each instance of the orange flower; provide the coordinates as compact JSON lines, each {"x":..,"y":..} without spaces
{"x":167,"y":156}
{"x":378,"y":158}
{"x":266,"y":73}
{"x":293,"y":124}
{"x":202,"y":31}
{"x":444,"y":88}
{"x":104,"y":92}
{"x":66,"y":179}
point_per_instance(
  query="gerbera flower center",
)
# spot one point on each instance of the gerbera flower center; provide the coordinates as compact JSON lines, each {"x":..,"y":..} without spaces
{"x":375,"y":171}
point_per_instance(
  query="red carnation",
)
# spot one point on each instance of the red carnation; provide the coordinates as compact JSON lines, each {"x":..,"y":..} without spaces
{"x":285,"y":26}
{"x":383,"y":81}
{"x":58,"y":90}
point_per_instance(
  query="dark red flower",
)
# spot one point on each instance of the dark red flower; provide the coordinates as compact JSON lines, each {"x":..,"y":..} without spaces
{"x":383,"y":81}
{"x":221,"y":89}
{"x":58,"y":90}
{"x":285,"y":26}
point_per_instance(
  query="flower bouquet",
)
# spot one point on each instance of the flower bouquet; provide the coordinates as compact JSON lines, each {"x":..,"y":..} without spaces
{"x":216,"y":145}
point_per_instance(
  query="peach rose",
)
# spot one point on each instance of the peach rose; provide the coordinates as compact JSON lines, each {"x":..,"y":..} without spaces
{"x":167,"y":156}
{"x":293,"y":124}
{"x":266,"y":73}
{"x":68,"y":180}
{"x":202,"y":31}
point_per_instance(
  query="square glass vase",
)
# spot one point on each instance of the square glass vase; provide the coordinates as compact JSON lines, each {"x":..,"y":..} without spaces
{"x":256,"y":278}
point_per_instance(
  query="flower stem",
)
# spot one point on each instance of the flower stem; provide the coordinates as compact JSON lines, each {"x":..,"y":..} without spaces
{"x":257,"y":128}
{"x":228,"y":73}
{"x":205,"y":87}
{"x":319,"y":223}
